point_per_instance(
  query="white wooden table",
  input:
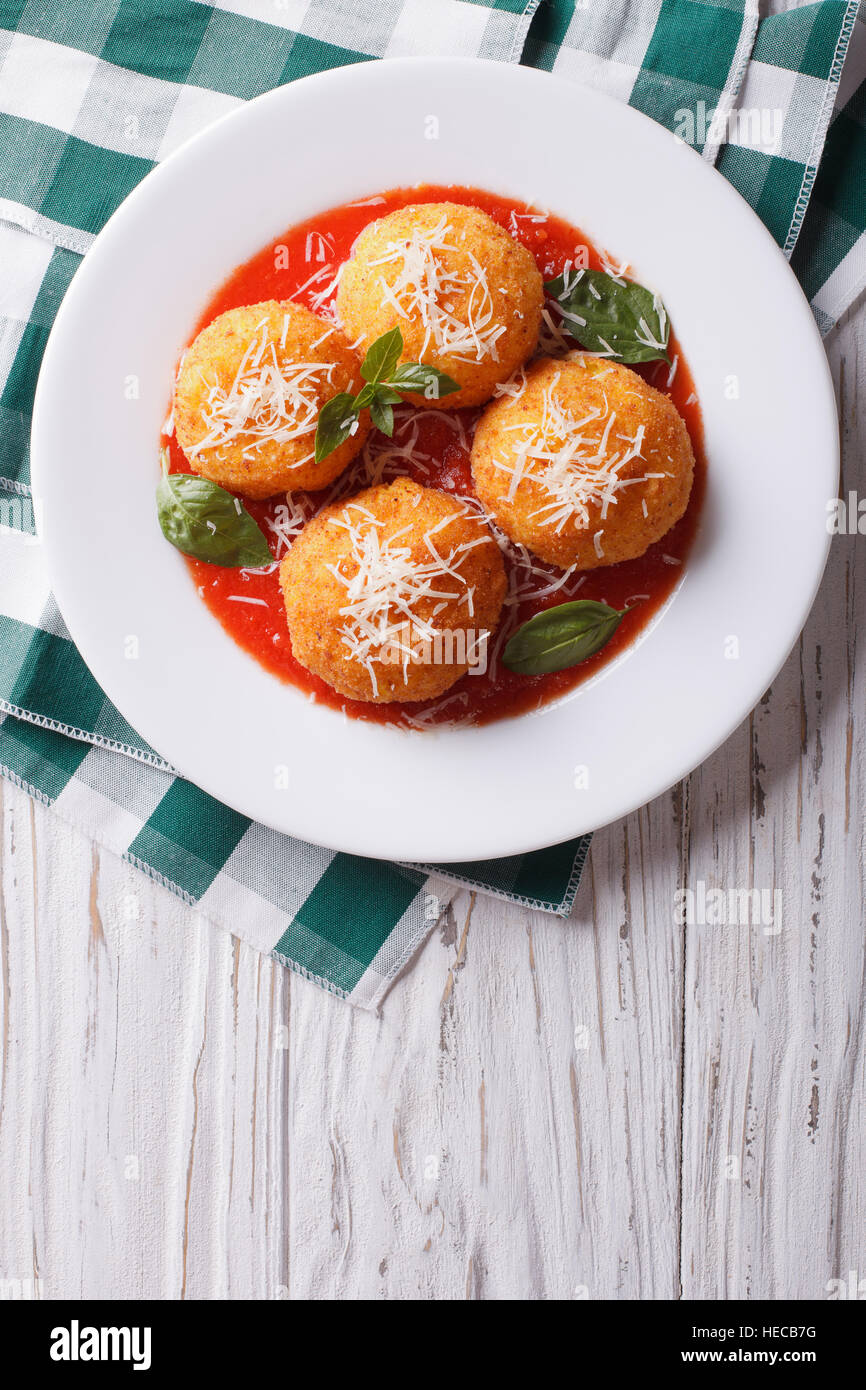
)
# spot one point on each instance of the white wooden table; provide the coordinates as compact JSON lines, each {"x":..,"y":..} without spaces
{"x":612,"y":1107}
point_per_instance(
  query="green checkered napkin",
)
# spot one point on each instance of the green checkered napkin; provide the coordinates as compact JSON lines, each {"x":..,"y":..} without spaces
{"x":91,"y":97}
{"x":755,"y":97}
{"x":830,"y":256}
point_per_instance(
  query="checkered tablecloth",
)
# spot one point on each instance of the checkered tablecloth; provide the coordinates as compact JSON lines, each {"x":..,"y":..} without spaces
{"x":92,"y":95}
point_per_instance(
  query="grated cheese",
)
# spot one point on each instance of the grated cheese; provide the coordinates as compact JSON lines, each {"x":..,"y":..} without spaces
{"x":529,"y":581}
{"x":426,"y":717}
{"x":289,"y":519}
{"x":383,"y":459}
{"x":268,"y":401}
{"x":616,"y":270}
{"x":317,"y":246}
{"x":513,"y":387}
{"x":386,"y":582}
{"x":425,"y":287}
{"x":551,"y":342}
{"x":517,"y":217}
{"x":578,"y":463}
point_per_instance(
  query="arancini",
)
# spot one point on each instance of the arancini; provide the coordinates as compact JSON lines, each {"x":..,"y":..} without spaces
{"x":465,"y":295}
{"x":583,"y":463}
{"x":248,"y":396}
{"x":391,"y":594}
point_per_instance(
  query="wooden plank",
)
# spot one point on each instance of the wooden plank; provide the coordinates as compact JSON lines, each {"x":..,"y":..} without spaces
{"x":143,"y":1092}
{"x":180,"y":1117}
{"x":775,"y":1077}
{"x":501,"y":1133}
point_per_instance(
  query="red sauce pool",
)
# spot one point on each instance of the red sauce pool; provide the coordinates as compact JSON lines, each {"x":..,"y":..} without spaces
{"x":301,"y":263}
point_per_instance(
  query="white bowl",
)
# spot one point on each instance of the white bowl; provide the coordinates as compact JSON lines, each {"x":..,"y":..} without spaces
{"x":649,"y":717}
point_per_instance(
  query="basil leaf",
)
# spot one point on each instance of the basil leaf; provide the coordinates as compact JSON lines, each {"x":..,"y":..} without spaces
{"x":418,"y":377}
{"x":620,"y":319}
{"x":379,"y":395}
{"x":203,"y":520}
{"x":386,"y":396}
{"x":383,"y":394}
{"x":336,"y":419}
{"x":382,"y":356}
{"x":382,"y":415}
{"x":560,"y":637}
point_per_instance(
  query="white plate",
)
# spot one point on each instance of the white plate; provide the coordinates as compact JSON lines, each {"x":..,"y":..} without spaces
{"x":648,"y":718}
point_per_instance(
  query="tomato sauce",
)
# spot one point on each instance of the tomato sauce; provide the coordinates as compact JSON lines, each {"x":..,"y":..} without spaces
{"x":299,"y":265}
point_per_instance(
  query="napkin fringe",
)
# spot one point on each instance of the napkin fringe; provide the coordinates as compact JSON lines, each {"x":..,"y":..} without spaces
{"x":505,"y":895}
{"x":298,"y":969}
{"x":237,"y":931}
{"x":739,"y":65}
{"x":12,"y":485}
{"x":23,"y":785}
{"x":57,"y":233}
{"x":56,"y":726}
{"x":820,"y":134}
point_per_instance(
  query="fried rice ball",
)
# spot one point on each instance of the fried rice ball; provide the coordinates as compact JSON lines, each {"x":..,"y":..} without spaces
{"x":248,"y":397}
{"x":585,"y":464}
{"x":388,"y":594}
{"x":465,"y":295}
